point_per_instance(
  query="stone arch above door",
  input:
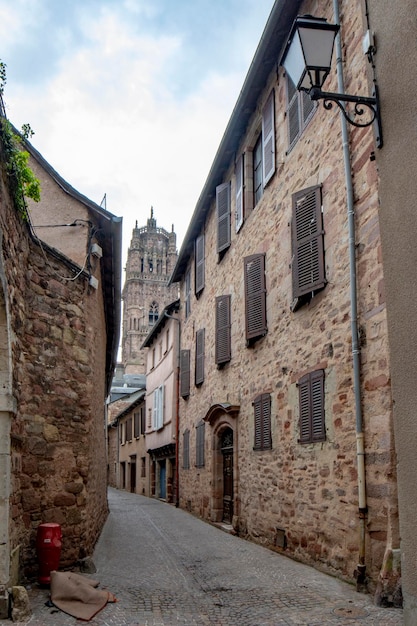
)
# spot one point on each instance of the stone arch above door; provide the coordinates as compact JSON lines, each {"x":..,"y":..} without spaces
{"x":222,"y":417}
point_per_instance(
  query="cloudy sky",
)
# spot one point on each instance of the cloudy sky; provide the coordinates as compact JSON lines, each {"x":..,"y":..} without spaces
{"x":129,"y":98}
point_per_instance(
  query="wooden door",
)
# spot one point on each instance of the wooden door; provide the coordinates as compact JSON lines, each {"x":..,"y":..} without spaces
{"x":227,"y":453}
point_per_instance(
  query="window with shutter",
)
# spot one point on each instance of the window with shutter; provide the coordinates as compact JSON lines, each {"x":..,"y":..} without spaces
{"x":262,"y":419}
{"x":223,"y":217}
{"x":299,"y":112}
{"x":129,"y":429}
{"x":200,"y":433}
{"x":142,"y":420}
{"x":258,"y":187}
{"x":255,"y":297}
{"x":199,"y":264}
{"x":223,"y":323}
{"x":239,"y":170}
{"x":187,"y":299}
{"x":199,"y":356}
{"x":158,"y":408}
{"x":136,"y":425}
{"x":268,"y":138}
{"x":186,"y":450}
{"x":185,"y":373}
{"x":311,"y":403}
{"x":308,"y":269}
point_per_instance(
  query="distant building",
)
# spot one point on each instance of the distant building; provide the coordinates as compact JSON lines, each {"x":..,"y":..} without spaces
{"x":151,"y":257}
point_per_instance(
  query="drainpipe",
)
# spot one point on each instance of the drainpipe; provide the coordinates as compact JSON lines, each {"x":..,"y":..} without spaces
{"x":177,"y":412}
{"x":360,"y":573}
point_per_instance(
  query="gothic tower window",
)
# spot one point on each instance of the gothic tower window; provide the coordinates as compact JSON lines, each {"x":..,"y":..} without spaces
{"x":153,"y":313}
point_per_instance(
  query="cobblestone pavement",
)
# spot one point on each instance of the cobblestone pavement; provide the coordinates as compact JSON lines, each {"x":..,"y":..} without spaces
{"x":168,"y":568}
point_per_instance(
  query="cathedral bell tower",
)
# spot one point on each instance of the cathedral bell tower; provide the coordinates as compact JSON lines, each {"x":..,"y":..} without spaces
{"x":150,"y":260}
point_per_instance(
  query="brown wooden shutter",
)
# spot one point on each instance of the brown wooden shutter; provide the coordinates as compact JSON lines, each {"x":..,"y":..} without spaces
{"x":199,"y":264}
{"x":255,"y":296}
{"x":307,"y":241}
{"x":223,"y":338}
{"x":268,"y":138}
{"x":293,"y":113}
{"x":223,"y":216}
{"x":136,"y":427}
{"x":311,"y":399}
{"x":185,"y":373}
{"x":262,"y":416}
{"x":199,"y":356}
{"x":239,"y":193}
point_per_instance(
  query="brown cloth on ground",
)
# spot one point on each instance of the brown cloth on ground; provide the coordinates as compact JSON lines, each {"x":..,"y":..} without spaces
{"x":77,"y":595}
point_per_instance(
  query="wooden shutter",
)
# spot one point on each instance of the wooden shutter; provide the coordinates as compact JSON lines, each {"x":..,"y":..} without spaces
{"x":200,"y":436}
{"x":307,"y":241}
{"x":239,"y":169}
{"x":186,"y":450}
{"x":268,"y":138}
{"x":223,"y":348}
{"x":255,"y":296}
{"x":311,"y":398}
{"x":199,"y":356}
{"x":185,"y":373}
{"x":223,"y":216}
{"x":199,"y":264}
{"x":262,"y":416}
{"x":136,"y":425}
{"x":292,"y":113}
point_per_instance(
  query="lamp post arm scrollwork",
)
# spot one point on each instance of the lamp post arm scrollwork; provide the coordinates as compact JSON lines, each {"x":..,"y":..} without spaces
{"x":363,"y":104}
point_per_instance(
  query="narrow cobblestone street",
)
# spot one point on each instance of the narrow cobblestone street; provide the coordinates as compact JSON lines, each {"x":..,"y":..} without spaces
{"x":167,"y":567}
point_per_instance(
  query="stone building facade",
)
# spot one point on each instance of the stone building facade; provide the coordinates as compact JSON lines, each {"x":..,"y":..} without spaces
{"x":162,"y":397}
{"x":151,"y":257}
{"x":59,"y":328}
{"x":276,"y":439}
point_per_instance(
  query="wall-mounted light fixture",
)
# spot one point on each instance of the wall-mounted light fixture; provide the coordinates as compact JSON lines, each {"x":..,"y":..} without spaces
{"x":307,"y":60}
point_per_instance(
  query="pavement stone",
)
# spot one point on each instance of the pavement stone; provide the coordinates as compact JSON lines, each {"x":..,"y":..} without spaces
{"x":169,"y":568}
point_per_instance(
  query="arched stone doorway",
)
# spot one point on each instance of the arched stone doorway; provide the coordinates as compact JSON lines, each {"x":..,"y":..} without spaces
{"x":224,"y":491}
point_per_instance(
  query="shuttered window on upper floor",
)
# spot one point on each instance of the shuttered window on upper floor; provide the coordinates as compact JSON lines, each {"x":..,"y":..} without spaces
{"x":262,"y":418}
{"x":199,"y":265}
{"x":199,"y":356}
{"x":311,"y":407}
{"x":268,"y":138}
{"x":186,"y":449}
{"x":255,"y":297}
{"x":308,"y":268}
{"x":185,"y":373}
{"x":223,"y":330}
{"x":299,"y":112}
{"x":223,"y":217}
{"x":239,"y":195}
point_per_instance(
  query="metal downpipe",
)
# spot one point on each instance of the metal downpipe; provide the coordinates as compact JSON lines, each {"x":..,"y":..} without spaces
{"x":360,"y":573}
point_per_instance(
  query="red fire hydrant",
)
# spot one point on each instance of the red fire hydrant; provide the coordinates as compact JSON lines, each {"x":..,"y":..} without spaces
{"x":48,"y":547}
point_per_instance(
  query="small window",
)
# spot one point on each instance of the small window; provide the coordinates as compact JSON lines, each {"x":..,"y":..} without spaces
{"x":255,"y":297}
{"x":200,"y":432}
{"x":223,"y":328}
{"x":143,"y":467}
{"x":223,"y":217}
{"x":311,"y":399}
{"x":187,"y":298}
{"x":199,"y":356}
{"x":129,"y":429}
{"x":186,"y":450}
{"x":153,"y":313}
{"x":308,"y":268}
{"x":199,"y":265}
{"x":262,"y":417}
{"x":258,"y":187}
{"x":239,"y":194}
{"x":158,"y":408}
{"x":142,"y":420}
{"x":268,"y":139}
{"x":185,"y":373}
{"x":300,"y":110}
{"x":136,"y":424}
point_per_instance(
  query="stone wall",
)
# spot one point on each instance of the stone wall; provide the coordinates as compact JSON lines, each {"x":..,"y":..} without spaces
{"x":55,"y":329}
{"x":303,"y":497}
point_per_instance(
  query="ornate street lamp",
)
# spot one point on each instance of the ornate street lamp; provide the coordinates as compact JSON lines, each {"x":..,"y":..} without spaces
{"x":307,"y":60}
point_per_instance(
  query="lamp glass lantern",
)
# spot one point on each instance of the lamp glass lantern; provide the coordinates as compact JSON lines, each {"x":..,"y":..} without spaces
{"x":308,"y":55}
